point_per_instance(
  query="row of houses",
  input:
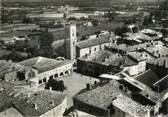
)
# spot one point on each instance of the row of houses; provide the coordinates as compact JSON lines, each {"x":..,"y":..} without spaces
{"x":114,"y":59}
{"x":106,"y":61}
{"x":127,"y":96}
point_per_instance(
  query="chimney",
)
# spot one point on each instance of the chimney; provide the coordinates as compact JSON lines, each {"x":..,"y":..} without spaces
{"x":153,"y":52}
{"x":165,"y":64}
{"x":28,"y":95}
{"x":52,"y":102}
{"x":88,"y":86}
{"x":50,"y":88}
{"x":27,"y":100}
{"x":35,"y":106}
{"x":159,"y":55}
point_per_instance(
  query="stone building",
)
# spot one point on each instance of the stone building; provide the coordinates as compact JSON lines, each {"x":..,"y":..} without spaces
{"x":103,"y":101}
{"x":35,"y":71}
{"x":106,"y":61}
{"x":91,"y":46}
{"x":127,"y":96}
{"x":47,"y":68}
{"x":13,"y":72}
{"x":70,"y":41}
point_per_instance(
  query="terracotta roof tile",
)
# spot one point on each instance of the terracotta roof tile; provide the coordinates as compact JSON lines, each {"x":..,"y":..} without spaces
{"x":43,"y":64}
{"x":101,"y":96}
{"x":18,"y":98}
{"x":92,"y":42}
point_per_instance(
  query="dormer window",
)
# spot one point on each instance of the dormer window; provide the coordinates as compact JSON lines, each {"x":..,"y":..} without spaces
{"x":31,"y":74}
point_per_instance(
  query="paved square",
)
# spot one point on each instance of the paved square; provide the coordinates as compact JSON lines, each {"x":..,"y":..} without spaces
{"x":75,"y":83}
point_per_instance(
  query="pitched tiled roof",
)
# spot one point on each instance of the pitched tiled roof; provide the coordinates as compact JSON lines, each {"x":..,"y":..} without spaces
{"x":162,"y":83}
{"x":148,"y":78}
{"x":43,"y":64}
{"x":140,"y":36}
{"x":130,"y":106}
{"x":136,"y":55}
{"x":17,"y":97}
{"x":103,"y":96}
{"x":106,"y":57}
{"x":158,"y":50}
{"x":128,"y":61}
{"x":7,"y":66}
{"x":165,"y":39}
{"x":92,"y":42}
{"x":100,"y":97}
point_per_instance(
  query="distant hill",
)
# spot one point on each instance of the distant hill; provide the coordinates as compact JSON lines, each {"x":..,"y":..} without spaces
{"x":91,"y":2}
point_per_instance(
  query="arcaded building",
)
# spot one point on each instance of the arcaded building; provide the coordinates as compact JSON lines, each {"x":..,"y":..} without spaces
{"x":46,"y":68}
{"x":35,"y":71}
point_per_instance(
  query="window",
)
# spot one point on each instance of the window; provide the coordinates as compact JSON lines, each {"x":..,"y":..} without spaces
{"x":44,"y":80}
{"x":89,"y":50}
{"x":66,"y":72}
{"x":94,"y":49}
{"x":40,"y":81}
{"x":51,"y":77}
{"x":104,"y":46}
{"x":61,"y":74}
{"x":56,"y":75}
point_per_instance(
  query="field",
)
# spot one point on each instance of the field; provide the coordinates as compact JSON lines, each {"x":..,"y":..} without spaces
{"x":84,"y":31}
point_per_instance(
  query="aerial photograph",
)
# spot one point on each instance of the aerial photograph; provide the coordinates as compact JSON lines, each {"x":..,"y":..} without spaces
{"x":83,"y":58}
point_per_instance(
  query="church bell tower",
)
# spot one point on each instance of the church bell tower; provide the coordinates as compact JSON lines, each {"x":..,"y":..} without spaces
{"x":70,"y":41}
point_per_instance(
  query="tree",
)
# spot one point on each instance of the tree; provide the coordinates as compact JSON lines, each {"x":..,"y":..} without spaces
{"x":95,"y":23}
{"x":56,"y":85}
{"x":164,"y":32}
{"x":83,"y":38}
{"x":46,"y":39}
{"x":120,"y":31}
{"x":60,"y":50}
{"x":163,"y":5}
{"x":110,"y":15}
